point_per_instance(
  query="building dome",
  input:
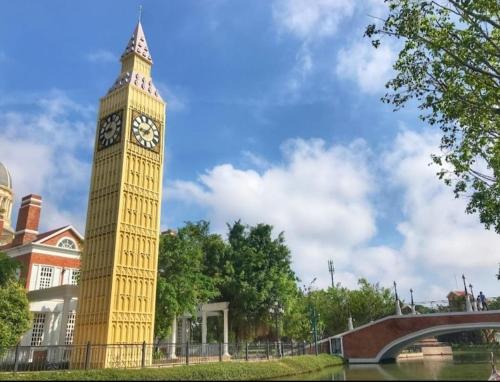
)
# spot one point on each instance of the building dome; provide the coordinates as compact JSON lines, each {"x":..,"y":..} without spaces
{"x":5,"y":179}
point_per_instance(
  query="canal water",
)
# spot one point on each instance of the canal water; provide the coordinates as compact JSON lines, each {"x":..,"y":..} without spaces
{"x":462,"y":366}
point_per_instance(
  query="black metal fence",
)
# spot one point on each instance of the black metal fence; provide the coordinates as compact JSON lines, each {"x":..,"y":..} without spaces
{"x":59,"y":357}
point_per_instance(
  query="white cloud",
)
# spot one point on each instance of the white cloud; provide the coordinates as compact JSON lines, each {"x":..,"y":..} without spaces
{"x":314,"y":22}
{"x":46,"y":143}
{"x":300,"y":72}
{"x":101,"y":56}
{"x":370,"y":68}
{"x":307,"y":19}
{"x":322,"y":197}
{"x":319,"y":197}
{"x":436,"y":229}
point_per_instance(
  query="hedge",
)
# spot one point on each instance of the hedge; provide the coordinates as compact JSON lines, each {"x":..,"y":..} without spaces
{"x":213,"y":371}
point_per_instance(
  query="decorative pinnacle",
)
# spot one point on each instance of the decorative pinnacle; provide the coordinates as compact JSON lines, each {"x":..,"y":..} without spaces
{"x":140,"y":12}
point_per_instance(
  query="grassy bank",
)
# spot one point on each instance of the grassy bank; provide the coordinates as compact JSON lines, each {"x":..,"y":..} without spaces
{"x":214,"y":371}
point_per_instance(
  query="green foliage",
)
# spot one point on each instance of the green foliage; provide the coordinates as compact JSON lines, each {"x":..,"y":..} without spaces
{"x":8,"y":269}
{"x":449,"y":63}
{"x":226,"y":371}
{"x":256,"y":273}
{"x":494,"y":303}
{"x":252,"y":271}
{"x":182,"y":284}
{"x":368,"y":302}
{"x":15,"y":316}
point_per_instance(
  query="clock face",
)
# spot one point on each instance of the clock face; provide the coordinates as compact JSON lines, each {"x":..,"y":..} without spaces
{"x":145,"y":131}
{"x":110,"y":129}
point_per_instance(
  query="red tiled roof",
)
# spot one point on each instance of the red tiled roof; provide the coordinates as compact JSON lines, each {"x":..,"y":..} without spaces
{"x":456,"y":293}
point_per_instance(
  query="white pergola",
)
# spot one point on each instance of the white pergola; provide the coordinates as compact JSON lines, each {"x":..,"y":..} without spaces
{"x":204,"y":311}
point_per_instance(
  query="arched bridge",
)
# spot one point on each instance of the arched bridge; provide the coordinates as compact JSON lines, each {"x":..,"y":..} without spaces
{"x":384,"y":339}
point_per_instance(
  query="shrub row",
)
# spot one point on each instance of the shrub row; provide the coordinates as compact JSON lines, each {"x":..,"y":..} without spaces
{"x":214,"y":371}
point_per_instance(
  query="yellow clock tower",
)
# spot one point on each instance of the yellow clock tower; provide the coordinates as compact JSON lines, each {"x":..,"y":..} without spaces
{"x":116,"y":302}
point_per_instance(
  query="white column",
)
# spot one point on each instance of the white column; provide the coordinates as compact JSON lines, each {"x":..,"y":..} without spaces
{"x":226,"y":336}
{"x":64,"y":320}
{"x":48,"y":329}
{"x":183,"y":330}
{"x":413,"y":311}
{"x":203,"y":331}
{"x":350,"y":326}
{"x":173,"y":338}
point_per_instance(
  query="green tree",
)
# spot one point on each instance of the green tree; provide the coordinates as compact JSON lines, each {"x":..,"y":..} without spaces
{"x":8,"y":268}
{"x":15,"y":316}
{"x":450,"y":64}
{"x":369,"y":302}
{"x":256,"y":273}
{"x":182,"y":284}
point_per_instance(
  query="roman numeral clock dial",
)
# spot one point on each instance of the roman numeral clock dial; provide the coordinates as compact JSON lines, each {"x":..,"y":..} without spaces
{"x":145,"y":132}
{"x":110,"y":129}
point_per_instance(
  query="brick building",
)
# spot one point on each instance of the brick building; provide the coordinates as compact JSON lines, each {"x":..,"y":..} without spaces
{"x":50,"y":265}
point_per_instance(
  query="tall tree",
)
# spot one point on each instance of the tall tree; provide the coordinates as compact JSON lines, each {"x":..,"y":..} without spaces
{"x":182,"y":284}
{"x":450,"y":64}
{"x":258,"y":273}
{"x":15,"y":316}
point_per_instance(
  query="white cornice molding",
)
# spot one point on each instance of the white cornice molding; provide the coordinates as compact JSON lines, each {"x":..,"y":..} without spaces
{"x":43,"y":249}
{"x":68,"y":227}
{"x":27,"y":231}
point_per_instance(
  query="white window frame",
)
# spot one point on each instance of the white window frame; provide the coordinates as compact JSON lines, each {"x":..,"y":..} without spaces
{"x":44,"y":280}
{"x":70,"y":328}
{"x":38,"y":328}
{"x":60,"y":245}
{"x":73,"y":276}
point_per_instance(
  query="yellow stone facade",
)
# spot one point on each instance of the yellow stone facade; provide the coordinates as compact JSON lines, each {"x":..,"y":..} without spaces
{"x":116,"y":302}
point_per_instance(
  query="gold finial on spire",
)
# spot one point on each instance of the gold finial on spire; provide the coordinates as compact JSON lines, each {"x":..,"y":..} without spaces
{"x":140,"y":12}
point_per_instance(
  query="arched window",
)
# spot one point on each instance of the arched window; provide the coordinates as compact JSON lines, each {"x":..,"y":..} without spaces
{"x":67,"y":243}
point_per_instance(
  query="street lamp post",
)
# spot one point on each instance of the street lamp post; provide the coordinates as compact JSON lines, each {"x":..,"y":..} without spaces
{"x":314,"y":324}
{"x":350,"y":325}
{"x":474,"y":306}
{"x":468,"y":306}
{"x":412,"y":303}
{"x":398,"y":307}
{"x":277,"y":310}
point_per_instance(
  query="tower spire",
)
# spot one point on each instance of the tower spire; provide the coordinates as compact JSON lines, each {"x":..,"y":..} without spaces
{"x":140,"y":13}
{"x":137,"y":43}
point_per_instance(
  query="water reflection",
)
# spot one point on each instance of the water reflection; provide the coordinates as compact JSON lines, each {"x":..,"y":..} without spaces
{"x":462,"y":366}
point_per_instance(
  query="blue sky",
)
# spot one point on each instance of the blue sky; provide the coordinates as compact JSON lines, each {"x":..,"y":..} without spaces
{"x":274,"y":115}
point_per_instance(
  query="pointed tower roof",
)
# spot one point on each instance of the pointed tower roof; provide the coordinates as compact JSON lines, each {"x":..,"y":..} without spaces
{"x":138,"y":45}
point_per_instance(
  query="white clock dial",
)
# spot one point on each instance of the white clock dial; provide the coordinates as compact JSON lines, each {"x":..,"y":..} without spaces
{"x":145,"y":131}
{"x":109,"y":132}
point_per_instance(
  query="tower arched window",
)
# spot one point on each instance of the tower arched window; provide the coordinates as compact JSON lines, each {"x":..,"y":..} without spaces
{"x":67,"y":243}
